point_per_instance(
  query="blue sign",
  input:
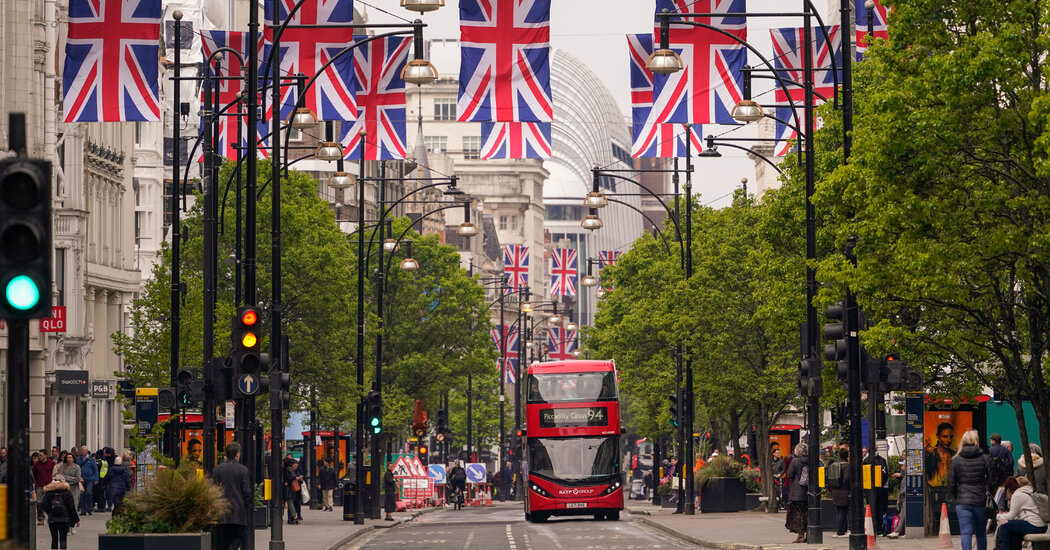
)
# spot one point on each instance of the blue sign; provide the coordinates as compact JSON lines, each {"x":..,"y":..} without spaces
{"x":476,"y":472}
{"x":437,"y":473}
{"x":248,"y":384}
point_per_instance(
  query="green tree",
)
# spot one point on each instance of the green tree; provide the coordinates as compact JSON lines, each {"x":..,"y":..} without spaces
{"x":948,"y":195}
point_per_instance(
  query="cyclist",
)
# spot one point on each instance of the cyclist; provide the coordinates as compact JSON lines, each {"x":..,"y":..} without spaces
{"x":458,"y":476}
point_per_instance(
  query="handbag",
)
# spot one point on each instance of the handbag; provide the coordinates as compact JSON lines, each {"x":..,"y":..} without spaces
{"x":305,"y":492}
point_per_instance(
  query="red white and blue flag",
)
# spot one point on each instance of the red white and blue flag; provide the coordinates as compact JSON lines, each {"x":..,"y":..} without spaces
{"x":504,"y":73}
{"x":232,"y":139}
{"x":564,"y":271}
{"x":560,"y":343}
{"x":508,"y":363}
{"x":380,"y":100}
{"x":711,"y":82}
{"x":789,"y":63}
{"x":879,"y":24}
{"x":653,"y":139}
{"x":515,"y":140}
{"x":516,"y":265}
{"x":306,"y":50}
{"x":609,"y":257}
{"x":112,"y":61}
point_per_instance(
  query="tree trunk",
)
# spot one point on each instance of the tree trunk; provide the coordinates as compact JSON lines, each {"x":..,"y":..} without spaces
{"x":763,"y":459}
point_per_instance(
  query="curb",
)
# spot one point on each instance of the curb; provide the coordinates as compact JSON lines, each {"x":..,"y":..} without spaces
{"x":694,"y":540}
{"x":369,"y":528}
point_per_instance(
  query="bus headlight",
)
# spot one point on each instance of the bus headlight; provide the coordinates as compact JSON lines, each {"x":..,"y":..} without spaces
{"x":539,"y":490}
{"x":612,"y":488}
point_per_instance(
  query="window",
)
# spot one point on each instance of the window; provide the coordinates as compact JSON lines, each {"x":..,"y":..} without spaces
{"x":513,"y":222}
{"x":60,"y":276}
{"x":471,"y":147}
{"x":574,"y":459}
{"x":445,"y":108}
{"x":503,"y":222}
{"x":562,"y":212}
{"x":138,"y":133}
{"x":435,"y":144}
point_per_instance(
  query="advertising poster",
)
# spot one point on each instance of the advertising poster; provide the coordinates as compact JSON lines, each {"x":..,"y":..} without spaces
{"x":781,"y":441}
{"x":943,"y":431}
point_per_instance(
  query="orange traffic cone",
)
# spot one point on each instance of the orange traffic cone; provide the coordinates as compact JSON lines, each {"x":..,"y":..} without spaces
{"x":488,"y":497}
{"x":945,"y":539}
{"x":869,"y":527}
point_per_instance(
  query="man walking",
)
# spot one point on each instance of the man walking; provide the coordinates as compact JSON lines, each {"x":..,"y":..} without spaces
{"x":42,"y":470}
{"x":328,"y":480}
{"x":89,"y":474}
{"x":232,"y":529}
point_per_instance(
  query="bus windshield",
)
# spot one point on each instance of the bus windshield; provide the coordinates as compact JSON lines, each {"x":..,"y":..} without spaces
{"x":574,"y":458}
{"x":571,"y":386}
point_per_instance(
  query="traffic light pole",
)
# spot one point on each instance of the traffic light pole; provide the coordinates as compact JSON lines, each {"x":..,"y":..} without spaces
{"x":18,"y":485}
{"x":377,"y":383}
{"x":176,"y":235}
{"x":211,"y":213}
{"x":278,"y":347}
{"x":687,"y":464}
{"x":857,"y":539}
{"x":359,"y":440}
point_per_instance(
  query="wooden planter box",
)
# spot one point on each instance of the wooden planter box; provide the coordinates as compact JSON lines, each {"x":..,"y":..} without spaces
{"x":722,"y":494}
{"x":157,"y":541}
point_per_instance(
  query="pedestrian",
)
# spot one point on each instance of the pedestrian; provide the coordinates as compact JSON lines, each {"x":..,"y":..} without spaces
{"x":89,"y":476}
{"x":1021,"y":519}
{"x":42,"y":468}
{"x":968,"y":482}
{"x":67,"y":466}
{"x":3,"y":464}
{"x":328,"y":480}
{"x":61,"y":510}
{"x":389,"y":492}
{"x":880,"y":502}
{"x":232,"y":529}
{"x":798,"y":501}
{"x":507,"y":480}
{"x":777,"y":469}
{"x":293,"y":495}
{"x":839,"y":482}
{"x":1038,"y":477}
{"x":118,"y":482}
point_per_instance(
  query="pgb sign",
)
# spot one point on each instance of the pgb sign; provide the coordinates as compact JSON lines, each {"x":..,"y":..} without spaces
{"x":57,"y":321}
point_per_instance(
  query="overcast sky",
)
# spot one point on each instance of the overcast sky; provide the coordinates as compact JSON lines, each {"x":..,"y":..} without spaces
{"x":593,"y":31}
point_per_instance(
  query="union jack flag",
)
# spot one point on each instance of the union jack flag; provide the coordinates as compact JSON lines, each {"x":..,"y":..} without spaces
{"x":515,"y":140}
{"x":879,"y":25}
{"x":560,"y":343}
{"x":711,"y":82}
{"x":609,"y":257}
{"x":380,"y":100}
{"x":232,"y":140}
{"x":306,"y":50}
{"x":516,"y":265}
{"x":789,"y":64}
{"x":563,"y":272}
{"x":652,"y":139}
{"x":504,"y":73}
{"x":511,"y":360}
{"x":112,"y":53}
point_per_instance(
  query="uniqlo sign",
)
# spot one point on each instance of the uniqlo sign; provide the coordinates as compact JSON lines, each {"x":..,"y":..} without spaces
{"x":57,"y":321}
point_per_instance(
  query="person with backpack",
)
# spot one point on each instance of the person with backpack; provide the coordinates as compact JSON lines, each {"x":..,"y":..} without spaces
{"x":839,"y":484}
{"x":1002,"y":460}
{"x":118,"y":483}
{"x":1025,"y":516}
{"x":798,"y":500}
{"x":61,"y":510}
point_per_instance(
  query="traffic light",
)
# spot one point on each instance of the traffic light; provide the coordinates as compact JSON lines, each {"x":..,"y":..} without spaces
{"x":442,"y":424}
{"x":247,"y":342}
{"x":185,"y":382}
{"x":810,"y":381}
{"x":166,"y":399}
{"x":675,"y":407}
{"x":280,"y":386}
{"x":374,"y":411}
{"x":837,"y":349}
{"x":421,"y":452}
{"x":25,"y":239}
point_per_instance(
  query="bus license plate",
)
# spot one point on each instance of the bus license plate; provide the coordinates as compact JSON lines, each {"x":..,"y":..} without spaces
{"x":575,"y":504}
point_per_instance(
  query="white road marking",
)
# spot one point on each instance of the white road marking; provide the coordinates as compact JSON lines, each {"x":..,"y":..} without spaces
{"x":470,"y":537}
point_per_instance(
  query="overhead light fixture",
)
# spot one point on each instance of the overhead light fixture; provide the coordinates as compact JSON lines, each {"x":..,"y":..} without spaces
{"x":422,"y":6}
{"x":710,"y":152}
{"x":390,"y":245}
{"x":554,"y":319}
{"x":467,"y":229}
{"x":409,"y":264}
{"x":303,"y":119}
{"x":591,"y":222}
{"x":664,"y":61}
{"x":589,"y":281}
{"x":526,"y":307}
{"x":341,"y":180}
{"x":576,"y":354}
{"x":419,"y":72}
{"x":600,"y":293}
{"x":595,"y":199}
{"x":747,"y":110}
{"x":328,"y":151}
{"x":571,"y":326}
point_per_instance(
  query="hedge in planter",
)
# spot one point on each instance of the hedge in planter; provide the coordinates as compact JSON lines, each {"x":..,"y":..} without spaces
{"x":722,"y":484}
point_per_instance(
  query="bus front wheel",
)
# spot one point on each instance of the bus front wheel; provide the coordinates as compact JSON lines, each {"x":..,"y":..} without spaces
{"x":539,"y":517}
{"x":613,"y":516}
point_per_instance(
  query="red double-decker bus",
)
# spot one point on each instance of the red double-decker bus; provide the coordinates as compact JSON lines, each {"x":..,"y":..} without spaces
{"x":572,"y":441}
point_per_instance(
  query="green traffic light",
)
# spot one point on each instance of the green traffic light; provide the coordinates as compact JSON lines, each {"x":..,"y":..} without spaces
{"x":375,"y":422}
{"x":22,"y":293}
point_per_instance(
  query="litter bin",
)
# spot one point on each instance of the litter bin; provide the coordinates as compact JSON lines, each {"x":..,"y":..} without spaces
{"x":349,"y":489}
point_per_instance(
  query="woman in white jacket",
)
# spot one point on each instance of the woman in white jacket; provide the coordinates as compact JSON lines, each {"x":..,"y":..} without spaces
{"x":1021,"y":519}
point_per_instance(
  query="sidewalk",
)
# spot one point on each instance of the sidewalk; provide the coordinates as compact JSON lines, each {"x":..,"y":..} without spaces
{"x":318,"y":531}
{"x":752,"y":531}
